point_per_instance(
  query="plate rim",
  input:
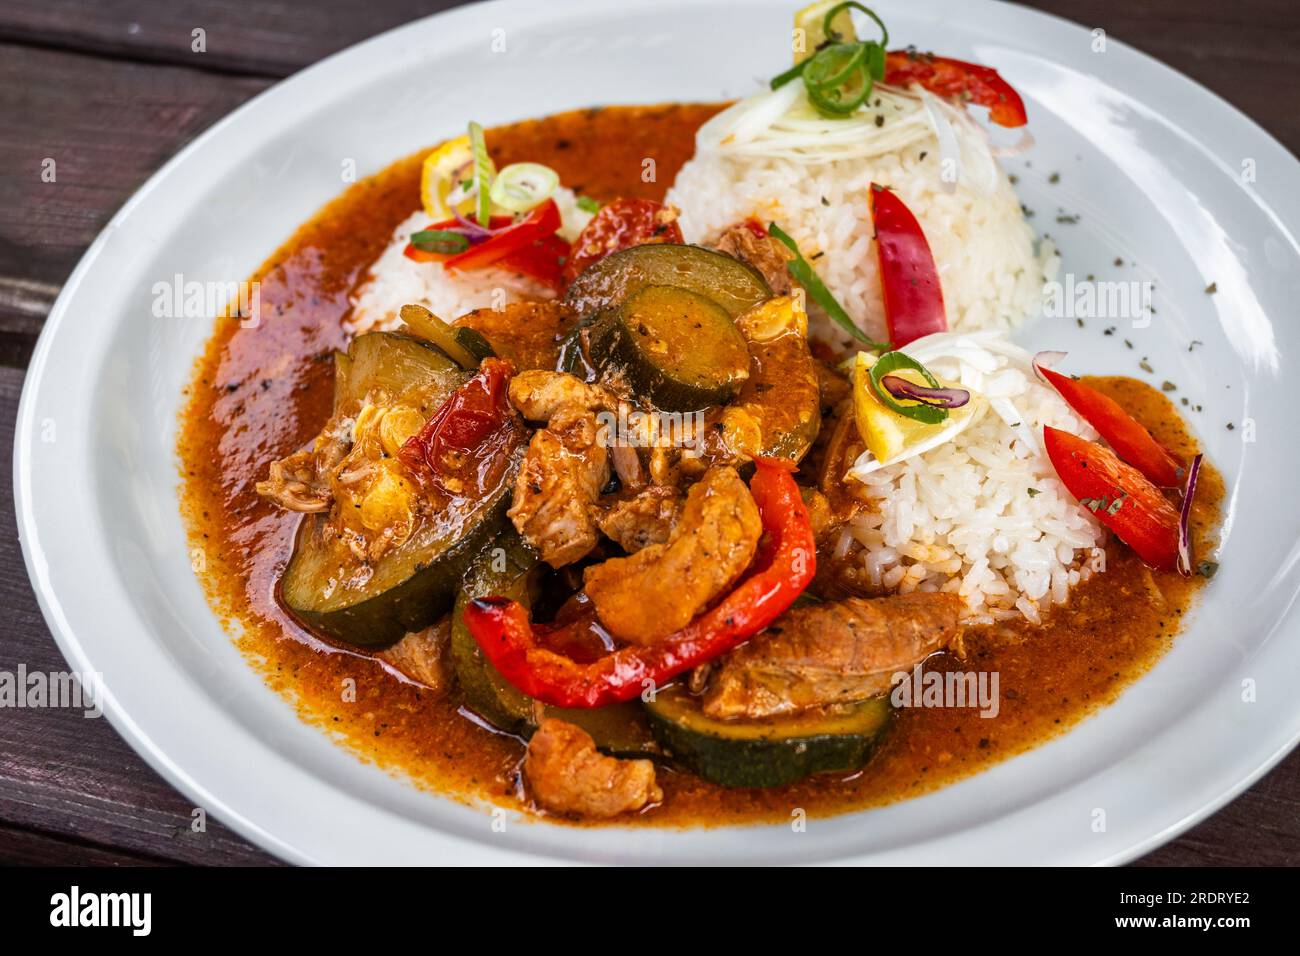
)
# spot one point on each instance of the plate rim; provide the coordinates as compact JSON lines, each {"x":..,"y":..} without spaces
{"x":138,"y":738}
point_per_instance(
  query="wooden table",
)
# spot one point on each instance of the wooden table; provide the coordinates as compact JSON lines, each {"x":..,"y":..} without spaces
{"x":112,"y":88}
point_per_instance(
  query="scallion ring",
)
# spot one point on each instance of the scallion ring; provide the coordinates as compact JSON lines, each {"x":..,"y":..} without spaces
{"x":828,"y":23}
{"x":892,"y":362}
{"x":442,"y":241}
{"x":520,"y":187}
{"x":806,"y":277}
{"x":843,"y":99}
{"x":483,"y":173}
{"x":833,"y":65}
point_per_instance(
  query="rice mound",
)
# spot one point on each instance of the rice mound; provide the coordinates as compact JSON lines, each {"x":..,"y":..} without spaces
{"x":983,"y":515}
{"x":990,"y":271}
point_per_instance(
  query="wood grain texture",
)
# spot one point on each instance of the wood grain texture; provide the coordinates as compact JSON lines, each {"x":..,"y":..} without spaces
{"x":110,"y":89}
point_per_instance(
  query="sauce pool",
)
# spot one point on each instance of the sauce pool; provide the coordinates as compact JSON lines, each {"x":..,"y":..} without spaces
{"x":258,"y":394}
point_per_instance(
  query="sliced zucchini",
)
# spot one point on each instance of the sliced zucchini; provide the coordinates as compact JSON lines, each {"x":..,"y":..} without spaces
{"x":509,"y":569}
{"x":465,"y":346}
{"x":412,"y":585}
{"x":678,"y":350}
{"x":768,"y":752}
{"x":732,"y":284}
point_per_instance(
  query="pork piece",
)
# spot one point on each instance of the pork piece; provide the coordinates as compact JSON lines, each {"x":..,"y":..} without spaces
{"x":832,"y":653}
{"x":643,"y":519}
{"x":567,"y":775}
{"x":422,"y":656}
{"x":528,"y":334}
{"x":764,"y":253}
{"x":658,"y":590}
{"x":559,"y":481}
{"x":302,"y":481}
{"x":539,"y":395}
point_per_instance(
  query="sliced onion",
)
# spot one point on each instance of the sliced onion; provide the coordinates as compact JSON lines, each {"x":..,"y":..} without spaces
{"x":472,"y":230}
{"x":1046,"y":359}
{"x":1184,"y":535}
{"x":900,"y":387}
{"x":949,"y":148}
{"x":520,"y":187}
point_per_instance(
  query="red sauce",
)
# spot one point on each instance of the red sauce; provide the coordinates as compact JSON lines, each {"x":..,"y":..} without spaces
{"x":260,"y":393}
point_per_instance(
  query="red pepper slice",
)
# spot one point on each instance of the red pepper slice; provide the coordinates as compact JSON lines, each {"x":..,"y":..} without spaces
{"x":541,"y":222}
{"x":909,"y":280}
{"x":425,"y":255}
{"x":1118,"y":495}
{"x":942,"y":76}
{"x":460,"y":449}
{"x":785,"y":565}
{"x":542,"y":260}
{"x":1122,"y":431}
{"x":620,"y":224}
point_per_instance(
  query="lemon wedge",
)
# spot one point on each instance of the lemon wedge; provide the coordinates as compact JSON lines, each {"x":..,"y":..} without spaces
{"x":438,"y":175}
{"x":891,"y":437}
{"x":811,"y":20}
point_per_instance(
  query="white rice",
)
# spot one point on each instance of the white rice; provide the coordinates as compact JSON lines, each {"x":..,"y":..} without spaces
{"x":394,"y":280}
{"x":962,"y":517}
{"x":990,"y":270}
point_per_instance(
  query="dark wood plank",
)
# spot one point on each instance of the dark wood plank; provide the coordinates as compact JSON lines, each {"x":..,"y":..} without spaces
{"x":19,"y":847}
{"x":106,"y":125}
{"x":262,"y":37}
{"x":65,"y":774}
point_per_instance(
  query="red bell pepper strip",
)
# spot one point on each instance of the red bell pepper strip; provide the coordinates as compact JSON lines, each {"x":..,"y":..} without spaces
{"x":541,"y":222}
{"x":909,"y":280}
{"x":542,"y":260}
{"x":1122,"y":431}
{"x":1118,"y":495}
{"x":461,"y":448}
{"x":452,"y":225}
{"x":958,"y":79}
{"x":784,"y":566}
{"x":621,"y":224}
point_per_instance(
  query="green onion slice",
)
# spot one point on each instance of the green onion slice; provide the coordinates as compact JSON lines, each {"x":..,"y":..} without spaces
{"x":828,"y":23}
{"x":804,"y":274}
{"x":918,"y":412}
{"x":834,"y":65}
{"x":483,"y":173}
{"x":843,"y":99}
{"x":587,"y":204}
{"x":522,"y":186}
{"x":442,"y":241}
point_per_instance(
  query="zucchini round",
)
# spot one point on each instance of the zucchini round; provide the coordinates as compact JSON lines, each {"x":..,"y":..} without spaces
{"x":678,"y":349}
{"x":509,"y":569}
{"x":412,"y":585}
{"x":769,"y":752}
{"x":732,"y":284}
{"x":463,"y":345}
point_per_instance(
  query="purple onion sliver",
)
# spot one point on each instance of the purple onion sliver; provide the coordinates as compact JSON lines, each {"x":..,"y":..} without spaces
{"x":900,"y":387}
{"x":1048,"y":359}
{"x":472,"y":230}
{"x":1184,"y":535}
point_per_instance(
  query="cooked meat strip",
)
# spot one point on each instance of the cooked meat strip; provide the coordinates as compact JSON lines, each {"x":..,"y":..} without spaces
{"x":659,"y":589}
{"x":540,"y":394}
{"x":832,"y":653}
{"x":643,"y":519}
{"x":422,"y":656}
{"x":762,"y":252}
{"x":528,"y":334}
{"x":301,"y":482}
{"x":567,"y":775}
{"x":559,"y":481}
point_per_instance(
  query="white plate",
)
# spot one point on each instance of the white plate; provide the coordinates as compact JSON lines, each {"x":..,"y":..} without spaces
{"x":1152,"y":163}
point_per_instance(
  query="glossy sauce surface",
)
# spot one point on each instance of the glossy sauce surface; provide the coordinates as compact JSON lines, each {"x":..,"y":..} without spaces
{"x":259,"y":394}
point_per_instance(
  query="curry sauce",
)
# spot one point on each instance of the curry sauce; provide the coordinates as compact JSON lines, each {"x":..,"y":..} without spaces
{"x":260,"y":393}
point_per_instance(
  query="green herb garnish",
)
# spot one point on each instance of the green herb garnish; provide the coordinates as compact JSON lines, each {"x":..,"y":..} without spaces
{"x":806,"y":277}
{"x":483,"y":173}
{"x":918,"y":412}
{"x":587,"y":204}
{"x":840,"y":74}
{"x":442,"y":241}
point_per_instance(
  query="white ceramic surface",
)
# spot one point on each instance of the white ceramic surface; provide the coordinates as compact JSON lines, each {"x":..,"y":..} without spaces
{"x":1151,"y":162}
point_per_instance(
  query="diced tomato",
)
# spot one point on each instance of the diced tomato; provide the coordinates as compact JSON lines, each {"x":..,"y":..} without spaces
{"x":1122,"y":431}
{"x":462,"y":448}
{"x":909,"y":280}
{"x":621,"y":224}
{"x":1118,"y":495}
{"x":958,"y":79}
